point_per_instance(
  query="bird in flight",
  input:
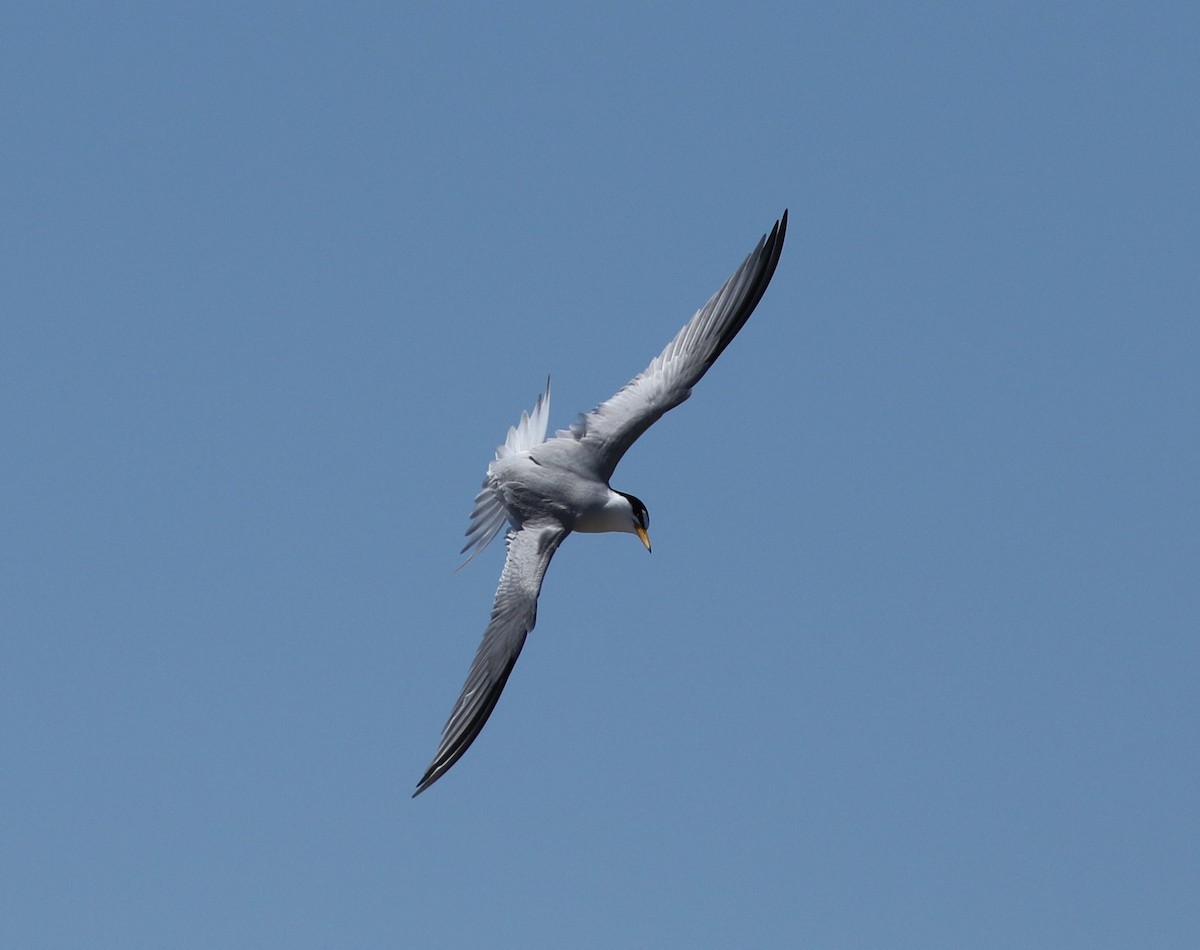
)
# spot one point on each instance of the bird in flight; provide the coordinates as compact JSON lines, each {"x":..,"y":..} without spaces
{"x":543,"y":489}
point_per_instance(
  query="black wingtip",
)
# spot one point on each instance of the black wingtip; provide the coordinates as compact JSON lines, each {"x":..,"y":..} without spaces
{"x":436,"y":770}
{"x":449,"y":753}
{"x":779,"y":231}
{"x":752,"y":279}
{"x":426,"y":780}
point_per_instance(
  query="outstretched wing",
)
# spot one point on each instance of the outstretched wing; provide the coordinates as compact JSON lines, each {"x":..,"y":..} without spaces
{"x":608,"y":431}
{"x":514,"y":612}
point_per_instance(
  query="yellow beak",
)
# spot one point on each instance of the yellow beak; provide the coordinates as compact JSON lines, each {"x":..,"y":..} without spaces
{"x":642,"y":536}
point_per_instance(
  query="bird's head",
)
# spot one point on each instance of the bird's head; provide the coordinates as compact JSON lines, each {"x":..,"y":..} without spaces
{"x":639,"y":519}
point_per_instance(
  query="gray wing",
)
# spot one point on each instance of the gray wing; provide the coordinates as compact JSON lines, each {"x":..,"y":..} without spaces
{"x":514,"y":612}
{"x":608,"y":431}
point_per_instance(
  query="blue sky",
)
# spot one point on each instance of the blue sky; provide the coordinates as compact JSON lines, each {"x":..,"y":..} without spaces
{"x":914,"y":662}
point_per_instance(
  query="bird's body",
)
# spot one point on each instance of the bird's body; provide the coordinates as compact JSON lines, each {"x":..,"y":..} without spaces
{"x":537,"y":483}
{"x":543,"y":489}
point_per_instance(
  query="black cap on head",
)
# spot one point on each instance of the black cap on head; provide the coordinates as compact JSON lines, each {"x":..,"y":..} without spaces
{"x":640,"y":514}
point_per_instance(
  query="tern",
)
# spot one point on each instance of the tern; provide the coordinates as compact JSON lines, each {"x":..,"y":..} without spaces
{"x":543,"y":489}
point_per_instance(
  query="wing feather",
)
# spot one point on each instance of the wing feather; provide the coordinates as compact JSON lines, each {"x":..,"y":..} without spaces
{"x":612,"y":427}
{"x":514,"y":612}
{"x":488,"y":516}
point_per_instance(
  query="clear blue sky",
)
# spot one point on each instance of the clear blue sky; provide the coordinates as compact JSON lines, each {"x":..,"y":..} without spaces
{"x":915,"y":661}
